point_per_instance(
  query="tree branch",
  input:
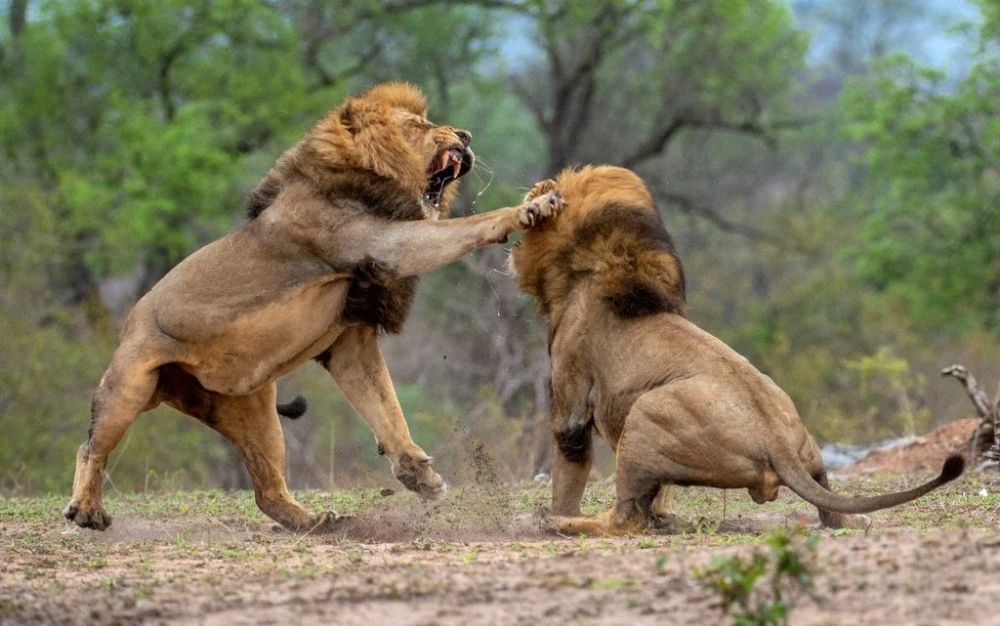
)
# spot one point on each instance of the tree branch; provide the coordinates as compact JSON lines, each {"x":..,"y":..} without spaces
{"x":16,"y":20}
{"x":690,"y":207}
{"x":979,"y":398}
{"x":17,"y":16}
{"x":659,"y":141}
{"x":328,"y":79}
{"x":163,"y":78}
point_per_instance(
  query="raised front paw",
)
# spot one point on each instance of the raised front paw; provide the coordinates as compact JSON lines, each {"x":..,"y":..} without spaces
{"x":87,"y":516}
{"x":542,"y":186}
{"x":536,"y":211}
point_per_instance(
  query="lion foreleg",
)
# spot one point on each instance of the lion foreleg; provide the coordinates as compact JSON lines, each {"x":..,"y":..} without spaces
{"x":357,"y":366}
{"x":571,"y":468}
{"x":572,"y":428}
{"x":412,"y":248}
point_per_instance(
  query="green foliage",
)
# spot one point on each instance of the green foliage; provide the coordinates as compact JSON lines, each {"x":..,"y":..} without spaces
{"x":894,"y":373}
{"x":931,"y":235}
{"x":761,"y":589}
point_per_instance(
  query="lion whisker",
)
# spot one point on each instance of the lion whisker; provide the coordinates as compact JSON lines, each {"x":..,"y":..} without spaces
{"x":479,"y":165}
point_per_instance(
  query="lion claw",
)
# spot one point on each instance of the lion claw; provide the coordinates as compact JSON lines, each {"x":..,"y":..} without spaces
{"x":328,"y":522}
{"x":432,"y":490}
{"x":95,"y":519}
{"x":539,"y":209}
{"x":417,"y":475}
{"x":542,"y":186}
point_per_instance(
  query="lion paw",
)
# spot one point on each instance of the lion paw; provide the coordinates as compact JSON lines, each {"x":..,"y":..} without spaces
{"x":87,"y":517}
{"x":559,"y":525}
{"x":328,"y":522}
{"x":669,"y":523}
{"x":416,"y":474}
{"x":539,"y":209}
{"x":542,"y":186}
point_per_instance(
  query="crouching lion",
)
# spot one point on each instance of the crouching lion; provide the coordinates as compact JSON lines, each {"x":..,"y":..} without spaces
{"x":337,"y":232}
{"x":678,"y":406}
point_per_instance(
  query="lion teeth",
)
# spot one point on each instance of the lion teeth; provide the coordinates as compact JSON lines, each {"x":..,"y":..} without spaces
{"x":456,"y":169}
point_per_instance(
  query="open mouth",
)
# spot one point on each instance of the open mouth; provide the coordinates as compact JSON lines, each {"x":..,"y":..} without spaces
{"x":449,"y":165}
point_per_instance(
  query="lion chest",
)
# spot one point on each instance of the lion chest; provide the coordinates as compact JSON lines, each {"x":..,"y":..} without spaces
{"x":378,"y":297}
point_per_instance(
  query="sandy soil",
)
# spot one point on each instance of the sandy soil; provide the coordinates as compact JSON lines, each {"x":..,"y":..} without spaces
{"x":481,"y":557}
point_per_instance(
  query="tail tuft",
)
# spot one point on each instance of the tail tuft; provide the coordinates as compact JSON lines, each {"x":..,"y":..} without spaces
{"x":952,"y":469}
{"x":297,"y":408}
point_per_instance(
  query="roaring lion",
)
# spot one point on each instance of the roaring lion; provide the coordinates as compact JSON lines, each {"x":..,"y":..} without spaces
{"x":337,"y":232}
{"x":678,"y":406}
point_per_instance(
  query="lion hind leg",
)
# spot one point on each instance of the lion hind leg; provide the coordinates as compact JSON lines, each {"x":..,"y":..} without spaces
{"x":125,"y":390}
{"x":252,"y":424}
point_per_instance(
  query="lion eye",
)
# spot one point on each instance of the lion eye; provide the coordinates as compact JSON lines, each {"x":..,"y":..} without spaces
{"x":421,"y":124}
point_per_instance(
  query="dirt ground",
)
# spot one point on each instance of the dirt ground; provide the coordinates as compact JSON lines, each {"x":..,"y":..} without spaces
{"x":927,"y":452}
{"x":480,"y":556}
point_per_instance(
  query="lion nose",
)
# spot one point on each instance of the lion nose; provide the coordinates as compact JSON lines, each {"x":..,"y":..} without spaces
{"x":464,"y":136}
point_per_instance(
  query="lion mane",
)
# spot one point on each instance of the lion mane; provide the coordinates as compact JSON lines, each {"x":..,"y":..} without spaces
{"x":612,"y":235}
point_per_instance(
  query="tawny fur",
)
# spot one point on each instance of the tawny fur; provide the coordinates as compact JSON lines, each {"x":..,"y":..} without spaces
{"x":339,"y":230}
{"x":678,"y":406}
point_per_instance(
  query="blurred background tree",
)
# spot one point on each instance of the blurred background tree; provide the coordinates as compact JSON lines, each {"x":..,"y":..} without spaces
{"x":830,"y":170}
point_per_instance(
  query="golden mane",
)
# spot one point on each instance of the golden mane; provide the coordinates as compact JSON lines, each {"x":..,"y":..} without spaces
{"x":360,"y":144}
{"x":610,"y":235}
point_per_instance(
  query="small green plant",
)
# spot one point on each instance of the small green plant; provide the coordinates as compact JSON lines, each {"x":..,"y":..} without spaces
{"x":611,"y":583}
{"x":761,"y":589}
{"x":470,"y":556}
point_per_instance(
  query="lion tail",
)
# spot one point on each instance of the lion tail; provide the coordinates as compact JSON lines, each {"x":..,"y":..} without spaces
{"x":795,"y":476}
{"x":294,"y":409}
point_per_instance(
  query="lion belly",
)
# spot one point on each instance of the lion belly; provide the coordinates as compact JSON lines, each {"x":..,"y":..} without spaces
{"x":263,"y":344}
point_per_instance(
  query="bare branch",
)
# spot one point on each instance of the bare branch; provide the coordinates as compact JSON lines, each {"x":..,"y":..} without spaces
{"x":327,"y":79}
{"x":996,"y":404}
{"x":536,"y":109}
{"x":977,"y":395}
{"x":659,"y":140}
{"x":691,"y":207}
{"x":655,"y":145}
{"x":163,"y":78}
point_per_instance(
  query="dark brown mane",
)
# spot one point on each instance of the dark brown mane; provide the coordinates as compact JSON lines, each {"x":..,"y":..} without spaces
{"x":611,"y":237}
{"x":627,"y":232}
{"x":261,"y":197}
